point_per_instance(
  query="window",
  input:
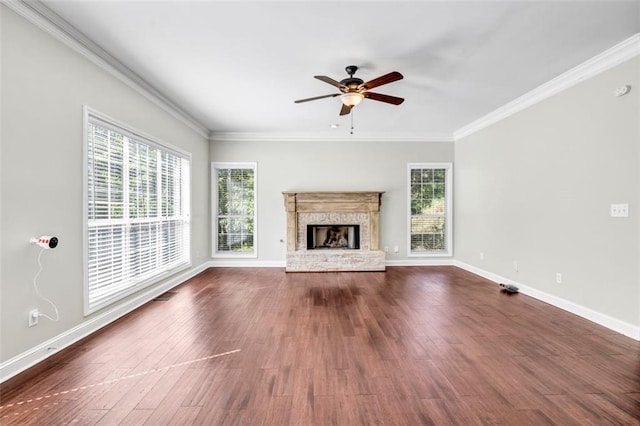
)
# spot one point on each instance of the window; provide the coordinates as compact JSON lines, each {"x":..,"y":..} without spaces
{"x":234,"y":217}
{"x":137,"y":211}
{"x":430,"y":217}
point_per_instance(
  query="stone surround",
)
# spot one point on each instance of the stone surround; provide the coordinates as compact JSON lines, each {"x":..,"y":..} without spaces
{"x":319,"y":208}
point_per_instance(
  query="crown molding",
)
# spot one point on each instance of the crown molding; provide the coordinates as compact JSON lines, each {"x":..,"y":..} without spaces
{"x":610,"y":58}
{"x":47,"y":20}
{"x":322,"y":137}
{"x":44,"y":18}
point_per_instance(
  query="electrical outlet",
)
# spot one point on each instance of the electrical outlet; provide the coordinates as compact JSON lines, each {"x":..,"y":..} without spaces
{"x":396,"y":249}
{"x":619,"y":210}
{"x":33,"y":317}
{"x":386,"y":249}
{"x":481,"y":255}
{"x":515,"y":265}
{"x":558,"y":278}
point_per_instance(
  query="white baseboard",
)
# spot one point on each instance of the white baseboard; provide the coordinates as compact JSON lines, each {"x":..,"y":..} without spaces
{"x":240,"y":263}
{"x":419,"y":262}
{"x":217,"y":263}
{"x":31,"y":357}
{"x":604,"y":320}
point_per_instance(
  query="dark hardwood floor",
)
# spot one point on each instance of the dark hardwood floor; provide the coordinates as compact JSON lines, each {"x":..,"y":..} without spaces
{"x":414,"y":345}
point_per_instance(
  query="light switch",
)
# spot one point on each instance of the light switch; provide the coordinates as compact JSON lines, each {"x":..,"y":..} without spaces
{"x":619,"y":210}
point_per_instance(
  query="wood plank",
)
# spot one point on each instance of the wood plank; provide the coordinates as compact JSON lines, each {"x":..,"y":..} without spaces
{"x":331,"y":207}
{"x":374,"y":230}
{"x":417,"y":345}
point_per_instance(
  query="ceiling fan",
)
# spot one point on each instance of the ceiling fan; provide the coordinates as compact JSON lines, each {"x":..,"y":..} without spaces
{"x":353,"y":89}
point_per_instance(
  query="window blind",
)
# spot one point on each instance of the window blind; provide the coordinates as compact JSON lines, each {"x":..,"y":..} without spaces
{"x":430,"y":209}
{"x":138,"y":225}
{"x":235,"y":214}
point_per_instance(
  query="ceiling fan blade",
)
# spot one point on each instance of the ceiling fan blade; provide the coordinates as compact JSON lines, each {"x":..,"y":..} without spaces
{"x":346,"y":109}
{"x":383,"y":98}
{"x":331,"y":81}
{"x":385,"y":79}
{"x":317,"y":97}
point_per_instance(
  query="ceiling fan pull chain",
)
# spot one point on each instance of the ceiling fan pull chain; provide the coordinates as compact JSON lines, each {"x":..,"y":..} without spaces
{"x":352,"y":114}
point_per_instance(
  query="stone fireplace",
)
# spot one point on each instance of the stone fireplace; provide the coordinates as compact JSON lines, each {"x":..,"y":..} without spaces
{"x":333,"y":231}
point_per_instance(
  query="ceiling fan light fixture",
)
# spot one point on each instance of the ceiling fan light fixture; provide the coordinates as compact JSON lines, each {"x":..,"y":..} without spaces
{"x":351,"y":98}
{"x":353,"y":90}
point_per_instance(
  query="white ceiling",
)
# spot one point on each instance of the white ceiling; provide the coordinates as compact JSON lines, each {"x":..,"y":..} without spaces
{"x":237,"y":67}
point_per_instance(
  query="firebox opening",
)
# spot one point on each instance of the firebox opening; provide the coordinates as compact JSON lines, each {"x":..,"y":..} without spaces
{"x":333,"y":237}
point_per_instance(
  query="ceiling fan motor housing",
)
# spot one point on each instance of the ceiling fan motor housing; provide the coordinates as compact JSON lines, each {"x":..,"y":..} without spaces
{"x":352,"y":82}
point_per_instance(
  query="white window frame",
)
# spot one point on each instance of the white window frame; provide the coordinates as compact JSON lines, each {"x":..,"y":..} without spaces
{"x":139,"y":282}
{"x":448,"y":252}
{"x":215,"y":166}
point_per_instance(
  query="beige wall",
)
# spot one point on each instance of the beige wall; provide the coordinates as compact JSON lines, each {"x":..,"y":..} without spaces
{"x":331,"y":166}
{"x":536,"y":188}
{"x":44,"y":87}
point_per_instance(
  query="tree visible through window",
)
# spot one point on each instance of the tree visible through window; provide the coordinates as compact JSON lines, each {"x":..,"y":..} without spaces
{"x":430,"y":218}
{"x":235,"y":217}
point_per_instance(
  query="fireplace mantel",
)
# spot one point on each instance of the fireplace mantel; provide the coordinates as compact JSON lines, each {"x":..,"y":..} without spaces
{"x":330,"y":207}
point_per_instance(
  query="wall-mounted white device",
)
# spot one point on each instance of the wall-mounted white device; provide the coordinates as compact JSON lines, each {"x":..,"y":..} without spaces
{"x":622,"y":90}
{"x":45,"y":241}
